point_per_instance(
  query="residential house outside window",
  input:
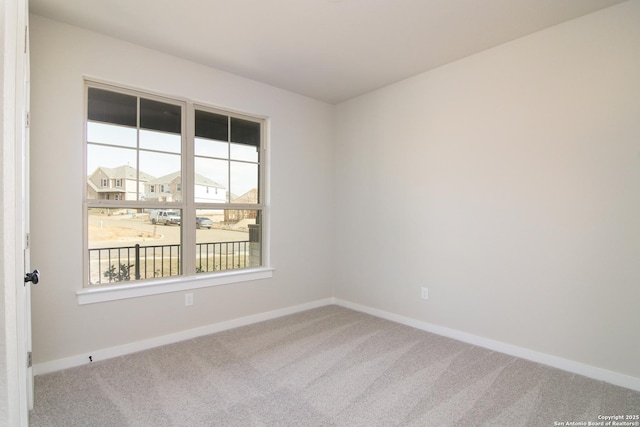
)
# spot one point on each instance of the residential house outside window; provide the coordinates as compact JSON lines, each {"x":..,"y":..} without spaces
{"x":150,"y":227}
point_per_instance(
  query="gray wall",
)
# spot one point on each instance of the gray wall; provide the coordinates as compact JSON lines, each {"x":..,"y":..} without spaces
{"x":508,"y":183}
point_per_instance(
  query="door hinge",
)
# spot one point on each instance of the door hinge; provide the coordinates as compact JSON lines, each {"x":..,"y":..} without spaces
{"x":27,"y":241}
{"x":27,"y":120}
{"x":29,"y":360}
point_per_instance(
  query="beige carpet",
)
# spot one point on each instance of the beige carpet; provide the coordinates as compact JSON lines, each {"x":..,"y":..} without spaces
{"x":325,"y":367}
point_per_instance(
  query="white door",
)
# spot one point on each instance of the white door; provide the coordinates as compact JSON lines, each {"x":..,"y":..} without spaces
{"x":32,"y":276}
{"x":16,"y":399}
{"x":23,"y":289}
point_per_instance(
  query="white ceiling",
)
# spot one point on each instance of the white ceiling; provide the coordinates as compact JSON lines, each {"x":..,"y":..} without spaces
{"x":331,"y":50}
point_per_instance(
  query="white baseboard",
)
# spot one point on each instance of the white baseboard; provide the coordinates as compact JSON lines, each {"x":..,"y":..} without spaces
{"x":134,"y":347}
{"x":593,"y":372}
{"x":524,"y":353}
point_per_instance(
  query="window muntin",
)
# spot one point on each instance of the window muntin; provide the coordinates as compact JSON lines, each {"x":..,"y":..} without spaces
{"x":147,"y":152}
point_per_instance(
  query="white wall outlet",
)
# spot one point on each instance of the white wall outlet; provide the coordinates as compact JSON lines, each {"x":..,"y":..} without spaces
{"x":188,"y":299}
{"x":424,"y":293}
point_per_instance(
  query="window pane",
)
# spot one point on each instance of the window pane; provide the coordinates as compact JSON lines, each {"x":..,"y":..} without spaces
{"x":244,"y":182}
{"x":244,"y":152}
{"x":165,"y":183}
{"x":104,"y":133}
{"x":211,"y":148}
{"x":124,"y":245}
{"x":161,"y":141}
{"x":212,"y":126}
{"x":227,"y":240}
{"x":211,"y":180}
{"x":245,"y":132}
{"x":160,"y":116}
{"x":112,"y":107}
{"x":109,"y":176}
{"x":109,"y":157}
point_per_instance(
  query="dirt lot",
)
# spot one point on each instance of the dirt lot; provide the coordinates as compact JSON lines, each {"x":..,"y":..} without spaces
{"x":126,"y":230}
{"x":121,"y":234}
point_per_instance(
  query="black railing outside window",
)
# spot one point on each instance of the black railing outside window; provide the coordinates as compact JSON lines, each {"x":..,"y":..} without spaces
{"x":221,"y":256}
{"x":126,"y":263}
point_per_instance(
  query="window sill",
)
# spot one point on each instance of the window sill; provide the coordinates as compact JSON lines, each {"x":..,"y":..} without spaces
{"x":177,"y":284}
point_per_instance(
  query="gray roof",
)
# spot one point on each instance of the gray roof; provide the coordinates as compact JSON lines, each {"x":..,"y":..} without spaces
{"x":203,"y":180}
{"x":123,"y":172}
{"x":165,"y":179}
{"x":200,"y":180}
{"x":128,"y":172}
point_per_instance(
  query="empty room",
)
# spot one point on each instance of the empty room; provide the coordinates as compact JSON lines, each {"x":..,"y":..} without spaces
{"x":323,"y":212}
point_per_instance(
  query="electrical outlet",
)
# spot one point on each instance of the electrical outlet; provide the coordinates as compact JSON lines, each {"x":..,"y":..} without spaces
{"x":188,"y":299}
{"x":424,"y":293}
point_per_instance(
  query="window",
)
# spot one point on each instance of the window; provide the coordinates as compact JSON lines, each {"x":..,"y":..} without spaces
{"x":155,"y":228}
{"x":227,"y":158}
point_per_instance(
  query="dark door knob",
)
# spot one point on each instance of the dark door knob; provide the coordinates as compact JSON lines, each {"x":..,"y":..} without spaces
{"x":32,"y":277}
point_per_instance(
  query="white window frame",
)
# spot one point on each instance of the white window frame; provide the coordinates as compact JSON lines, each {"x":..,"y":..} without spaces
{"x":188,"y":279}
